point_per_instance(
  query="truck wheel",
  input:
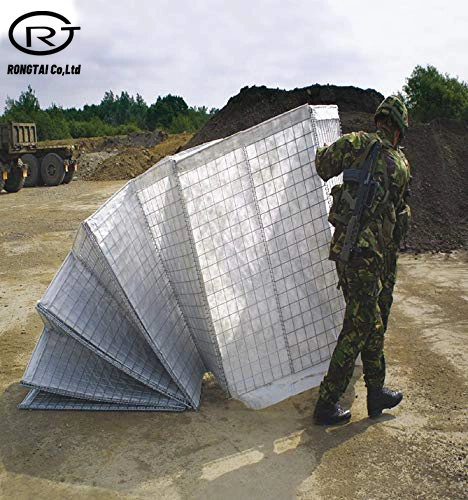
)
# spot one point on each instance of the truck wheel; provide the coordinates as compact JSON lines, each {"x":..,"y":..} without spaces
{"x":52,"y":169}
{"x":15,"y":180}
{"x":69,"y":175}
{"x":34,"y":172}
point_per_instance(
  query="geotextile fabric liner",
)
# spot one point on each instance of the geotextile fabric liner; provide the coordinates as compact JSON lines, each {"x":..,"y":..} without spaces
{"x":214,"y":260}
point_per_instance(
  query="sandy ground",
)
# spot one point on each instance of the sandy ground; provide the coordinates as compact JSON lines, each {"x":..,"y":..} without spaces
{"x":225,"y":450}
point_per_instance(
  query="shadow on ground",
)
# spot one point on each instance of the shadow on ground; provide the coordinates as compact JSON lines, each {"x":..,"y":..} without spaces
{"x":224,"y":449}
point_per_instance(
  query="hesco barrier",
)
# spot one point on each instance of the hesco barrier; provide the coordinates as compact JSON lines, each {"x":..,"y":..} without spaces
{"x":215,"y":260}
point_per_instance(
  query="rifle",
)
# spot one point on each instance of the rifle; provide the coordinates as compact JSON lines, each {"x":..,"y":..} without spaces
{"x":364,"y":177}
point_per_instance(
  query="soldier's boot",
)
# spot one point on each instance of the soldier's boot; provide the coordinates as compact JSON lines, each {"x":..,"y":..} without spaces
{"x":326,"y":413}
{"x":381,"y":399}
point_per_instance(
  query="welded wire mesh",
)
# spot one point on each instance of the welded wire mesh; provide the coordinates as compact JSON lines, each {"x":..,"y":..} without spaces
{"x":68,"y":368}
{"x":213,"y":260}
{"x":41,"y":400}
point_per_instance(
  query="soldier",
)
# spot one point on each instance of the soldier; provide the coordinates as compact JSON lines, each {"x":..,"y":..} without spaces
{"x":368,"y":276}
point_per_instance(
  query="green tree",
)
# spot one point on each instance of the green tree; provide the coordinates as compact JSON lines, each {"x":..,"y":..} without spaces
{"x":52,"y":124}
{"x":430,"y":94}
{"x":140,"y":111}
{"x":191,"y":120}
{"x":162,"y":112}
{"x":25,"y":108}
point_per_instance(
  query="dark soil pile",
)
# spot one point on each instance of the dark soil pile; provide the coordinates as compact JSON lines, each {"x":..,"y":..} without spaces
{"x":438,"y":155}
{"x":437,"y":152}
{"x":254,"y":105}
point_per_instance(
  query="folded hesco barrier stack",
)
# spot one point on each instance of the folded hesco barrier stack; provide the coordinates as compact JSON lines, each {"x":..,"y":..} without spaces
{"x":214,"y":260}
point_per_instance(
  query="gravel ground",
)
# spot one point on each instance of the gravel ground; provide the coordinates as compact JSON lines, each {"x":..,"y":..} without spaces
{"x":225,"y":450}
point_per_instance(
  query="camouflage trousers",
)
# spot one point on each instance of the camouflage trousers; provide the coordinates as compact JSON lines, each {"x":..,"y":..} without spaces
{"x":367,"y":286}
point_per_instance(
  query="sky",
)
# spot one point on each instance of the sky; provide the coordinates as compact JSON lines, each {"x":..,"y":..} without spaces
{"x":206,"y":51}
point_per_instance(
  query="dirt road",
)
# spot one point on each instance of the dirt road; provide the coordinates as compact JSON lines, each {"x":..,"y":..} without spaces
{"x":225,"y":450}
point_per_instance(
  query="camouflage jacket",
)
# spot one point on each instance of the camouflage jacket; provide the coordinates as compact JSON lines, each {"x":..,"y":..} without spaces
{"x":385,"y":224}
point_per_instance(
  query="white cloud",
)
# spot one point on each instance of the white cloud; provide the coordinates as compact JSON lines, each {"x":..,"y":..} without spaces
{"x":207,"y":50}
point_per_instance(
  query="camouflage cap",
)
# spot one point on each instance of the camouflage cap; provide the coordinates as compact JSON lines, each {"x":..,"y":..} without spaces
{"x":394,"y":108}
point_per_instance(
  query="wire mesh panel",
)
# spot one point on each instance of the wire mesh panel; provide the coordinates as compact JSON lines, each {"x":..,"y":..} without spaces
{"x":213,"y":260}
{"x":234,"y":268}
{"x":258,"y":213}
{"x":80,"y":305}
{"x":41,"y":400}
{"x":159,"y":194}
{"x":62,"y":365}
{"x":294,"y":214}
{"x":121,"y":231}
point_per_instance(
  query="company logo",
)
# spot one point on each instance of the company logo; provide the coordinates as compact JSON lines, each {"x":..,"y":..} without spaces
{"x":41,"y":33}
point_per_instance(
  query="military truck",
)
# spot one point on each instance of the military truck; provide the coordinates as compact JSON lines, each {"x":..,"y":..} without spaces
{"x":24,"y":163}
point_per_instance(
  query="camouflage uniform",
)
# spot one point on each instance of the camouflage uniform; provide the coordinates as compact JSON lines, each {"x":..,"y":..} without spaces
{"x":367,"y":280}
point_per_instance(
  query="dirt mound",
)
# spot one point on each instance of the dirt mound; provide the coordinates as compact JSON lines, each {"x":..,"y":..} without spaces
{"x":133,"y":161}
{"x":111,"y":144}
{"x":90,"y":162}
{"x":254,"y":105}
{"x":136,"y":139}
{"x":92,"y":152}
{"x":438,"y":154}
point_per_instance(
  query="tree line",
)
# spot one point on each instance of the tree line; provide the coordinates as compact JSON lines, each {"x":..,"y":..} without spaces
{"x":428,"y":94}
{"x":114,"y":115}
